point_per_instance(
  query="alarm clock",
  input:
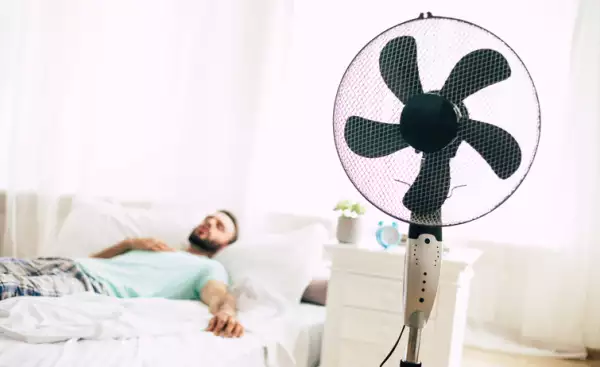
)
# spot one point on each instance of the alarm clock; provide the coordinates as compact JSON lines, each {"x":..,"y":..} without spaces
{"x":387,"y":235}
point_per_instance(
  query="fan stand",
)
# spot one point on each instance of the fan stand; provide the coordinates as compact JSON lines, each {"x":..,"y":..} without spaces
{"x":434,"y":123}
{"x":421,"y":280}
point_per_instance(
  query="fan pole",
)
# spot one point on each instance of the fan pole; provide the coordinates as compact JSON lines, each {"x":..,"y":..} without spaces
{"x":414,"y":344}
{"x":421,"y":279}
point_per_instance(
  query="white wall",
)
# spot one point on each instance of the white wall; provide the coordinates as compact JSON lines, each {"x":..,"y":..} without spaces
{"x":103,"y":97}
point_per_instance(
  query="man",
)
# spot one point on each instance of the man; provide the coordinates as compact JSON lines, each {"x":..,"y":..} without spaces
{"x":140,"y":267}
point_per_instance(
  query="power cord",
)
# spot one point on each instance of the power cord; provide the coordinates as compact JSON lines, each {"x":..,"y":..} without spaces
{"x":394,"y":347}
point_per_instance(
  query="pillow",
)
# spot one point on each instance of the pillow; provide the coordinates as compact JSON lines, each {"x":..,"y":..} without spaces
{"x":284,"y":263}
{"x":94,"y":225}
{"x":316,"y":292}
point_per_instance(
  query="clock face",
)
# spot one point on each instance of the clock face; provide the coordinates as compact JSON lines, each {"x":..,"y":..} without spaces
{"x":388,"y":235}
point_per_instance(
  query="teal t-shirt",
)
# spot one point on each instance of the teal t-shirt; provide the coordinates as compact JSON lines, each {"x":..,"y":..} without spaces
{"x":172,"y":275}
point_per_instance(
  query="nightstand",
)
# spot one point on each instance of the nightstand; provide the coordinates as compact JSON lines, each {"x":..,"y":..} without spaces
{"x":364,"y":308}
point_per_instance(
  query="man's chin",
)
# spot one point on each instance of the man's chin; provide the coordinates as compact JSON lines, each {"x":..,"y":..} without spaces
{"x":203,"y":244}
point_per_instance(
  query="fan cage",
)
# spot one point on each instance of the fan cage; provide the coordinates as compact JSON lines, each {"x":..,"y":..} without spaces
{"x":475,"y":190}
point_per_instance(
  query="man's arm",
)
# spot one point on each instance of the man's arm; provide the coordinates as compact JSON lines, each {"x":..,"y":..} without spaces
{"x":215,"y":295}
{"x":222,"y":305}
{"x":116,"y":250}
{"x":144,"y":244}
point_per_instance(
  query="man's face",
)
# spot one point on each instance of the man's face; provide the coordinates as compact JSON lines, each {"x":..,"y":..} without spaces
{"x":215,"y":232}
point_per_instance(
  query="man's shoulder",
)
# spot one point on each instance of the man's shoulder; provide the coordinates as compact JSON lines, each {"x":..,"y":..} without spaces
{"x":213,"y":263}
{"x":213,"y":266}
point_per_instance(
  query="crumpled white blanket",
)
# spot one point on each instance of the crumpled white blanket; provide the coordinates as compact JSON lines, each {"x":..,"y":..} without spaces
{"x":98,"y":317}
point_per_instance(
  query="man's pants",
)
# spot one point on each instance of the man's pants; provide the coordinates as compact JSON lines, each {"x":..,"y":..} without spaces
{"x":48,"y":276}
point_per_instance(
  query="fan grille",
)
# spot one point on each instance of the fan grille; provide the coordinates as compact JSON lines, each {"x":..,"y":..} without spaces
{"x":474,"y":189}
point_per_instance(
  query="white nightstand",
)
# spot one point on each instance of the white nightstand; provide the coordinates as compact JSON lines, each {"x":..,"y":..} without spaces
{"x":364,"y":308}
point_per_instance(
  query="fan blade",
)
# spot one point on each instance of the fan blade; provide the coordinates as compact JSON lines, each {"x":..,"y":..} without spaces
{"x":430,"y":189}
{"x":399,"y":69}
{"x":475,"y":71}
{"x":372,"y":139}
{"x":498,"y":147}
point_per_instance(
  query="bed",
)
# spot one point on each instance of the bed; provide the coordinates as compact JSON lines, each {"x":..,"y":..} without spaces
{"x":278,"y":337}
{"x":182,"y":349}
{"x":309,"y":341}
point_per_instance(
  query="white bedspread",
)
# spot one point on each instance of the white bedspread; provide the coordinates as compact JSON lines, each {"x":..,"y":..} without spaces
{"x":96,"y":317}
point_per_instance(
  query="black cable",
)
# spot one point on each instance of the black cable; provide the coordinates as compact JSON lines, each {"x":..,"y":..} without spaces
{"x":452,"y":190}
{"x":406,"y":183}
{"x":394,"y":347}
{"x":449,"y":195}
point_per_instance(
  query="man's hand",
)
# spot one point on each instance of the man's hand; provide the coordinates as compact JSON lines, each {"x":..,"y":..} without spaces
{"x":221,"y":305}
{"x":226,"y":325}
{"x":147,"y":244}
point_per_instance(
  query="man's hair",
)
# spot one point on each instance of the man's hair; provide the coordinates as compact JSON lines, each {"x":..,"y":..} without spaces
{"x":235,"y":224}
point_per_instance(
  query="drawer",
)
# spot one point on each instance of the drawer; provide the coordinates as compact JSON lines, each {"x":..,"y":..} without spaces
{"x":370,"y":326}
{"x":370,"y":292}
{"x":374,"y":293}
{"x":354,"y":354}
{"x":374,"y":263}
{"x":390,"y":264}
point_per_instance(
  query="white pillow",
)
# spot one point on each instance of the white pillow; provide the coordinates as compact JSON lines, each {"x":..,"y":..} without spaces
{"x":94,"y":225}
{"x":284,"y":264}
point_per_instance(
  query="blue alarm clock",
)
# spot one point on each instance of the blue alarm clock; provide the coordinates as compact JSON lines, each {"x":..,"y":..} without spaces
{"x":388,"y":235}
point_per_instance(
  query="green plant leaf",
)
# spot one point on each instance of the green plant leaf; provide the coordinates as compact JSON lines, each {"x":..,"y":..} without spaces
{"x":343,"y":205}
{"x":358,"y":209}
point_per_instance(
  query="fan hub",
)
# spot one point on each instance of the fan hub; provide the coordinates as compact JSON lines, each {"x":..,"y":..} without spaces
{"x":429,"y":122}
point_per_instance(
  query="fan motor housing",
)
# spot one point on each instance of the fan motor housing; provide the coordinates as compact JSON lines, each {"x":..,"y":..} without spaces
{"x":429,"y":122}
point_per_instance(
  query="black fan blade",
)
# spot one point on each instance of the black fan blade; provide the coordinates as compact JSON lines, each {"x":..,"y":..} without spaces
{"x":372,"y":139}
{"x":430,"y":189}
{"x":498,"y":147}
{"x":399,"y":69}
{"x":475,"y":71}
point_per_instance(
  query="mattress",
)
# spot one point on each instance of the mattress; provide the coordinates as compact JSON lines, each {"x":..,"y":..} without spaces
{"x":184,"y":349}
{"x":190,"y":349}
{"x":311,"y":320}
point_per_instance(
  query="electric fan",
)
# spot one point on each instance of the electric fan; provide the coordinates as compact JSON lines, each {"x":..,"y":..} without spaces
{"x":436,"y":123}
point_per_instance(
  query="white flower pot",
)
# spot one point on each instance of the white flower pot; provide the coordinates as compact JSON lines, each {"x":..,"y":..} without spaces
{"x":349,"y":230}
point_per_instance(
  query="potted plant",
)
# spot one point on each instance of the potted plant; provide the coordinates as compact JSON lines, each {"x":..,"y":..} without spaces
{"x":349,"y":227}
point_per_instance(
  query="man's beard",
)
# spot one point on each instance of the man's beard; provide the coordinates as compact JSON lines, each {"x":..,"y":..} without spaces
{"x":203,"y":244}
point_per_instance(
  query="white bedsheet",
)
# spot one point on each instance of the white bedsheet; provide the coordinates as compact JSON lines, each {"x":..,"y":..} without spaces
{"x":182,"y":349}
{"x":311,"y":319}
{"x":139,"y":331}
{"x":190,"y":349}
